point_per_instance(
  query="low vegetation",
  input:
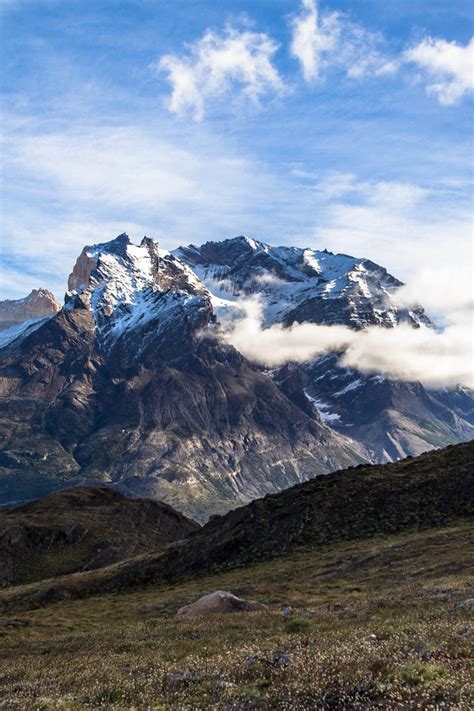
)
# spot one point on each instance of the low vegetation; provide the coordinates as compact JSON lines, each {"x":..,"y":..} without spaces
{"x":82,"y":528}
{"x":419,"y":493}
{"x":373,"y":623}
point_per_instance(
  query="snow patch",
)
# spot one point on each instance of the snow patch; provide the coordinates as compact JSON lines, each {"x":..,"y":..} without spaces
{"x":323,"y":409}
{"x":352,"y":386}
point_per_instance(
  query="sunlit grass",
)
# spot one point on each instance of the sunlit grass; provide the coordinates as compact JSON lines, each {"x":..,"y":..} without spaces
{"x":375,"y":623}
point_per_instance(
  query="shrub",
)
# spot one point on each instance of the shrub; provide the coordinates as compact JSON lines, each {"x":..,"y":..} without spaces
{"x":298,"y":625}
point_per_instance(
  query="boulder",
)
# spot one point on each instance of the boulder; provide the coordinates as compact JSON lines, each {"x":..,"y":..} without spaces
{"x":221,"y":602}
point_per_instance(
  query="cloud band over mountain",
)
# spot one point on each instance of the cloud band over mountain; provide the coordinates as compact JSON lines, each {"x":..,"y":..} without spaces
{"x":436,"y":359}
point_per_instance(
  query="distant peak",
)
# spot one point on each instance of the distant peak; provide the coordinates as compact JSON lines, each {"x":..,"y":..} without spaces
{"x":118,"y":245}
{"x":41,"y":293}
{"x":38,"y":304}
{"x":253,"y":244}
{"x":148,"y":242}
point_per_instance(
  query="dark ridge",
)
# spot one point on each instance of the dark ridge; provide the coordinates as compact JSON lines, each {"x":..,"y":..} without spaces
{"x":82,"y":529}
{"x":429,"y":491}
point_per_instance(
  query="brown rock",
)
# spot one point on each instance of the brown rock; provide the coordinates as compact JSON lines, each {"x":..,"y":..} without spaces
{"x":82,"y":270}
{"x":38,"y":303}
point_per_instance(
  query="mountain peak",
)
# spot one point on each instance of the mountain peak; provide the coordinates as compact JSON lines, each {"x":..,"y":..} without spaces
{"x":250,"y":242}
{"x":118,"y":245}
{"x":37,"y":304}
{"x":127,"y":286}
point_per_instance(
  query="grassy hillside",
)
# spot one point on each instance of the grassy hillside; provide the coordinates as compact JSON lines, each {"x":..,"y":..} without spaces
{"x":376,"y":623}
{"x":415,"y":494}
{"x":82,"y":529}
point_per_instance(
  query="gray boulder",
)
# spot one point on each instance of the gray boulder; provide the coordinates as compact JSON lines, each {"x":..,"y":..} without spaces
{"x":219,"y":602}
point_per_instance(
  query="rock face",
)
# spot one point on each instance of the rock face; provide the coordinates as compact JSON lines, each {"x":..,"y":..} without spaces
{"x":390,"y":419}
{"x":219,"y":602}
{"x":82,"y":529}
{"x":37,"y":304}
{"x":123,"y":387}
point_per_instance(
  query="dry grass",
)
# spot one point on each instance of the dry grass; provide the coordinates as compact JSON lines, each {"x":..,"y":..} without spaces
{"x":375,"y":624}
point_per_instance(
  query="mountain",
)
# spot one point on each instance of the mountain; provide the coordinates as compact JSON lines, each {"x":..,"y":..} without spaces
{"x":123,"y":387}
{"x":297,"y":285}
{"x":390,"y":419}
{"x":433,"y":490}
{"x":82,"y":529}
{"x":127,"y":385}
{"x":37,"y":304}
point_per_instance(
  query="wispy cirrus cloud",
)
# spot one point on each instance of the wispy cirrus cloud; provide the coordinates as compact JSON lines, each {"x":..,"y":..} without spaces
{"x":82,"y":183}
{"x":321,"y":40}
{"x":376,"y":217}
{"x":313,"y":38}
{"x":218,"y":63}
{"x":448,"y":66}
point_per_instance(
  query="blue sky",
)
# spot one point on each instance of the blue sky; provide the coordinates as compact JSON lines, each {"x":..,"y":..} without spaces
{"x":345,"y":125}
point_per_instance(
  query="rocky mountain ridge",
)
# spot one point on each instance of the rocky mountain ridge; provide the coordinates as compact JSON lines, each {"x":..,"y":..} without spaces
{"x":390,"y":419}
{"x":298,"y":285}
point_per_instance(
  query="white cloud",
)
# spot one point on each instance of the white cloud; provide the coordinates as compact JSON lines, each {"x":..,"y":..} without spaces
{"x":449,"y":299}
{"x":450,"y":65}
{"x":324,"y":40}
{"x":216,"y":65}
{"x":313,"y":37}
{"x":404,"y":353}
{"x":403,"y":226}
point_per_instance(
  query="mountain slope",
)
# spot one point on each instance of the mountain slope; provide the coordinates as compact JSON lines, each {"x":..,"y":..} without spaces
{"x":393,"y":419}
{"x":82,"y":529}
{"x":122,"y":387}
{"x":390,"y":419}
{"x":433,"y":490}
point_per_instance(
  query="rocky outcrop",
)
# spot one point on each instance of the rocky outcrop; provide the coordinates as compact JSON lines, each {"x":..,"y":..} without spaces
{"x":81,"y":273}
{"x":38,"y":303}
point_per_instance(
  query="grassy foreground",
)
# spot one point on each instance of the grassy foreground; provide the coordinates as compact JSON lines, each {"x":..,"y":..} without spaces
{"x":375,"y":624}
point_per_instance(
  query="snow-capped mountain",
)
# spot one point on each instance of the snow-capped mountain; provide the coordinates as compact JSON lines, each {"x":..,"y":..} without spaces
{"x":123,"y":387}
{"x":390,"y":419}
{"x":127,"y":385}
{"x":133,"y":292}
{"x":300,"y":284}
